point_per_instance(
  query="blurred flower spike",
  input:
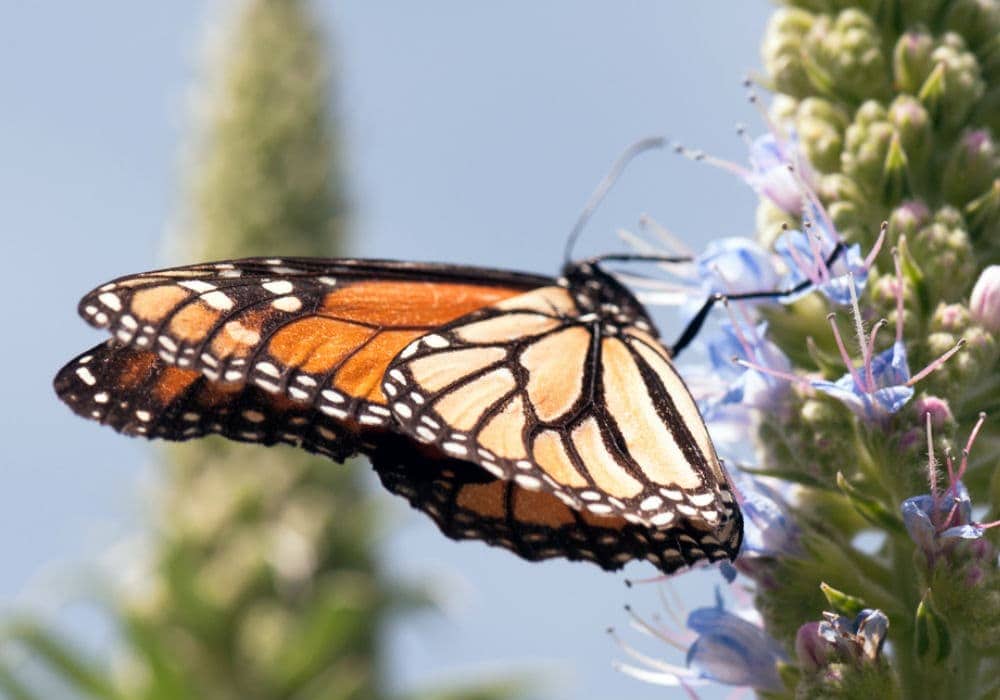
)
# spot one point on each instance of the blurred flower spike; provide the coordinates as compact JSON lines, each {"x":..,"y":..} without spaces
{"x":938,"y":521}
{"x":719,"y":646}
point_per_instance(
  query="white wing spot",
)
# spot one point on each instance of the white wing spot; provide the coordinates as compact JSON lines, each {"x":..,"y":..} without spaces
{"x":268,"y":369}
{"x":528,"y":482}
{"x":85,"y":374}
{"x":253,"y":416}
{"x":702,"y":499}
{"x":278,"y":287}
{"x":403,"y":410}
{"x":454,"y":448}
{"x":219,"y":301}
{"x":661,"y":518}
{"x":328,"y":281}
{"x":101,"y":397}
{"x":288,"y":304}
{"x":111,"y":301}
{"x":144,"y":416}
{"x":436,"y":341}
{"x":331,"y":395}
{"x":590,"y":496}
{"x":197,"y":285}
{"x":651,"y":503}
{"x":599,"y":508}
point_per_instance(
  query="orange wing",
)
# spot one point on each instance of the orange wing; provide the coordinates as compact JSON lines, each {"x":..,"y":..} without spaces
{"x":319,"y":332}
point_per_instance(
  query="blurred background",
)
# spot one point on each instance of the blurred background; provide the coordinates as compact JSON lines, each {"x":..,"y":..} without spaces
{"x":137,"y":135}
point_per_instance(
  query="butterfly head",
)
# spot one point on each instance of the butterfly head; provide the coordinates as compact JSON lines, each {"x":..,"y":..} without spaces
{"x":598,"y":292}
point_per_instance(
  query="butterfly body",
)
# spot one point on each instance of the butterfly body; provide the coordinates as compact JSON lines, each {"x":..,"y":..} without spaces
{"x":537,"y":414}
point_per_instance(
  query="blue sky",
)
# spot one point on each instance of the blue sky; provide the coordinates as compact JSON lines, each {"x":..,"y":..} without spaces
{"x":474,"y":133}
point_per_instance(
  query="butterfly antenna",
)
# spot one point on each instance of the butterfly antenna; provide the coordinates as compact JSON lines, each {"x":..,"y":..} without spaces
{"x":605,"y":185}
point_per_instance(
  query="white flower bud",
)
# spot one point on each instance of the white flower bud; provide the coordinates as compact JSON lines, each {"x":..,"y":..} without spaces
{"x":984,"y":305}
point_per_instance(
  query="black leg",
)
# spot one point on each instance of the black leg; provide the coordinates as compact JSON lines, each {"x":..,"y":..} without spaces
{"x":689,"y":332}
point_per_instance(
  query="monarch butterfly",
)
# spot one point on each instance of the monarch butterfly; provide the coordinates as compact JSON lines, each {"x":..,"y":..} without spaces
{"x":537,"y":414}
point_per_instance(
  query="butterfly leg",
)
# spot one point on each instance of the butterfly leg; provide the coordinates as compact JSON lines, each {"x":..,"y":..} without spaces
{"x":692,"y":328}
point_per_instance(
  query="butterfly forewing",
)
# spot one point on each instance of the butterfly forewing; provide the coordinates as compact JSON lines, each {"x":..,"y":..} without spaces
{"x":137,"y":393}
{"x":319,"y":332}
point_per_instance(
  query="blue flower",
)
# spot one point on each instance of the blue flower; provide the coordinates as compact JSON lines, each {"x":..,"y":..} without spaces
{"x":735,"y":265}
{"x":939,"y":520}
{"x":841,"y":639}
{"x":806,"y":258}
{"x":882,"y":384}
{"x":724,"y":648}
{"x":774,"y":163}
{"x":887,"y":392}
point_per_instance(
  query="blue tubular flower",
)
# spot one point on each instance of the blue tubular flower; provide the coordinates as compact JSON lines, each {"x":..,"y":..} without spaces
{"x":769,"y":530}
{"x":772,"y":160}
{"x":938,"y":521}
{"x":732,"y":651}
{"x":723,"y":648}
{"x":882,"y":384}
{"x":734,"y":265}
{"x":806,"y":255}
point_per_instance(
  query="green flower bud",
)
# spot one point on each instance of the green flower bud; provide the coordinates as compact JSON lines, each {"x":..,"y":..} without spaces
{"x":913,"y":125}
{"x":782,"y":50}
{"x":945,"y":255}
{"x":972,"y":166}
{"x":873,"y":155}
{"x":984,"y":214}
{"x":843,"y":57}
{"x":978,"y":21}
{"x":820,"y":125}
{"x":948,"y":324}
{"x":954,"y":86}
{"x":911,"y":61}
{"x":907,"y":219}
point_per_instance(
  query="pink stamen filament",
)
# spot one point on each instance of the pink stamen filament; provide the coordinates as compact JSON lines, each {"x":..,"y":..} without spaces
{"x":858,"y":384}
{"x":669,"y":238}
{"x":859,"y":330}
{"x":822,"y":271}
{"x":883,"y":230}
{"x":804,"y":266}
{"x":787,"y":376}
{"x":869,"y":376}
{"x":661,"y":634}
{"x":936,"y":364}
{"x":932,"y":468}
{"x":702,"y":157}
{"x":744,"y":343}
{"x":968,"y":444}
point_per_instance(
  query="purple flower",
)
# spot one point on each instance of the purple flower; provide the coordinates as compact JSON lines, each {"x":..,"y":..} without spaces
{"x":773,"y":165}
{"x":938,"y":521}
{"x":720,"y":647}
{"x":806,"y":258}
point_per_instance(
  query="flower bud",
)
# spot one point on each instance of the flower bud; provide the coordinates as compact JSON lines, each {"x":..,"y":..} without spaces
{"x":820,"y":125}
{"x":913,"y":125}
{"x":954,"y":86}
{"x":984,"y":305}
{"x":907,"y":219}
{"x":983,"y":212}
{"x":978,"y":21}
{"x":867,"y":143}
{"x":972,"y":165}
{"x":782,"y":51}
{"x":945,"y":254}
{"x":935,"y":407}
{"x":843,"y":56}
{"x":911,"y":61}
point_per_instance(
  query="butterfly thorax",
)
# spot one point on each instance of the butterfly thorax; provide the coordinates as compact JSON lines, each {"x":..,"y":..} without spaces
{"x":602,"y":299}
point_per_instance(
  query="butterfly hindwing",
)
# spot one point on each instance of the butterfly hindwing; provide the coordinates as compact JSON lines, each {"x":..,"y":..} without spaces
{"x":546,"y":395}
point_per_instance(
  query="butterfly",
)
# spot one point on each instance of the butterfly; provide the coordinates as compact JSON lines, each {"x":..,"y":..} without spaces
{"x":537,"y":414}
